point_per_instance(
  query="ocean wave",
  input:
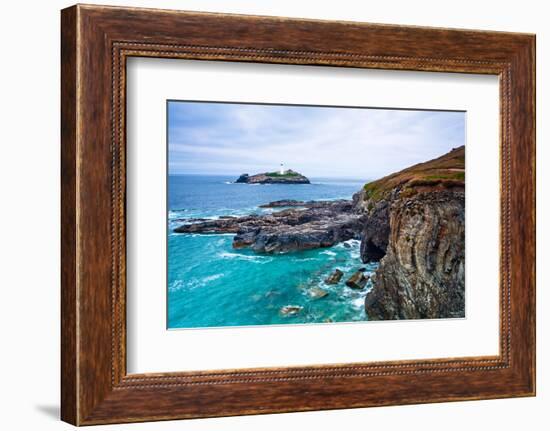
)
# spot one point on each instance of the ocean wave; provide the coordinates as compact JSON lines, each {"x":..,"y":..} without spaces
{"x":176,"y":285}
{"x":193,"y":283}
{"x":358,"y":302}
{"x":351,"y":245}
{"x":256,"y":258}
{"x":212,"y":277}
{"x":197,"y":235}
{"x":328,"y":253}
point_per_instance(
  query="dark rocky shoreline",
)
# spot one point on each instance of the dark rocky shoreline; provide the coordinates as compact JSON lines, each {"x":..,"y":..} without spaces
{"x":312,"y":225}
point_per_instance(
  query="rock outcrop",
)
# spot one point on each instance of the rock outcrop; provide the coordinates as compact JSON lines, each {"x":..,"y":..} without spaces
{"x":319,"y":224}
{"x":357,"y":281}
{"x":290,"y":310}
{"x":335,"y":277}
{"x":317,"y":293}
{"x":288,"y":203}
{"x":287,"y":177}
{"x":376,"y":232}
{"x":415,"y":228}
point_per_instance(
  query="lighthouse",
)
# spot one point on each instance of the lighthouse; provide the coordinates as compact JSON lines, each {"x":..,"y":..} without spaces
{"x":282,"y":169}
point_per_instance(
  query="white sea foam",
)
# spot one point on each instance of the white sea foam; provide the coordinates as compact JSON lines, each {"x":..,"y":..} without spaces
{"x":176,"y":285}
{"x":212,"y":277}
{"x":359,"y":302}
{"x":193,"y":283}
{"x":328,"y":253}
{"x":196,"y":235}
{"x":257,"y":258}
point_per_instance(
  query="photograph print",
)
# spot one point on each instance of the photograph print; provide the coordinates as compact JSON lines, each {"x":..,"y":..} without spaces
{"x":297,"y":214}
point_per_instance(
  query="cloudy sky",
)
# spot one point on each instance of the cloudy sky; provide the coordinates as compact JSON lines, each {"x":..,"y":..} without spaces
{"x":223,"y":138}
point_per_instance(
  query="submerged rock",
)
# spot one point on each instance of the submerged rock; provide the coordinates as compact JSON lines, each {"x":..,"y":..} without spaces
{"x":317,"y":293}
{"x":357,"y":280}
{"x":335,"y":277}
{"x":290,"y":310}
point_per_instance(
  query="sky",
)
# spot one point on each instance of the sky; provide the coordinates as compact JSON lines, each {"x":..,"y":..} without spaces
{"x":359,"y":143}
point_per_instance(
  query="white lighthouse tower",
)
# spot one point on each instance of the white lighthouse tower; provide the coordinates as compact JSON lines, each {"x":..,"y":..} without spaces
{"x":282,"y":169}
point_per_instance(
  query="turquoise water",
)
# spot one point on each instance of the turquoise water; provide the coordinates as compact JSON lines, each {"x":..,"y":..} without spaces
{"x":211,"y":284}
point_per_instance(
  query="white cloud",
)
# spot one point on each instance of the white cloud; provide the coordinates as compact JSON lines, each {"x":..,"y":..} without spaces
{"x":339,"y":142}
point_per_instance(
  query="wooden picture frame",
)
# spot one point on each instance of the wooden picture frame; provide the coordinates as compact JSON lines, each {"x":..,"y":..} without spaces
{"x":95,"y":43}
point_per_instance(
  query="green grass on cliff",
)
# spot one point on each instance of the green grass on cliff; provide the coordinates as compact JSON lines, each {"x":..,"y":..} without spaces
{"x":446,"y":171}
{"x":285,"y":175}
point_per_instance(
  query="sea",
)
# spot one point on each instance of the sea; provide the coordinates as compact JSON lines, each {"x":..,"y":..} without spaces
{"x":210,"y":284}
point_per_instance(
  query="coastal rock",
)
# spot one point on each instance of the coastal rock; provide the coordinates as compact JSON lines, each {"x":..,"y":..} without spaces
{"x":320,"y":225}
{"x":335,"y":277}
{"x":357,"y":281}
{"x":305,"y":204}
{"x":422,"y":274}
{"x":221,"y":225}
{"x":284,"y":203}
{"x":375,"y":234}
{"x":287,"y":177}
{"x":315,"y":234}
{"x":242,"y":179}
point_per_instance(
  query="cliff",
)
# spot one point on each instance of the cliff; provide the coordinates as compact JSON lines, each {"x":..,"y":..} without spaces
{"x":288,"y":177}
{"x":415,"y":227}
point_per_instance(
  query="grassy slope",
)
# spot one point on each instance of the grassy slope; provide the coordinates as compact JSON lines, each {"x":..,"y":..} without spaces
{"x":444,"y":172}
{"x":279,"y":175}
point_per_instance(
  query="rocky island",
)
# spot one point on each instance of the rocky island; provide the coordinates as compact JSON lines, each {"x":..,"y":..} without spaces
{"x":279,"y":177}
{"x":411,"y":222}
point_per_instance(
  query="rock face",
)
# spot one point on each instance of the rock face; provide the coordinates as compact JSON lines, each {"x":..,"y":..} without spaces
{"x":357,"y":281}
{"x":288,"y":177}
{"x":320,"y":224}
{"x":415,"y":227}
{"x":335,"y":277}
{"x":422,"y":274}
{"x":376,"y":232}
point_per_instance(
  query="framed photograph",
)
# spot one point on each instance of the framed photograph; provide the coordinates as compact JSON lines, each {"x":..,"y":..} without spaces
{"x":265,"y":215}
